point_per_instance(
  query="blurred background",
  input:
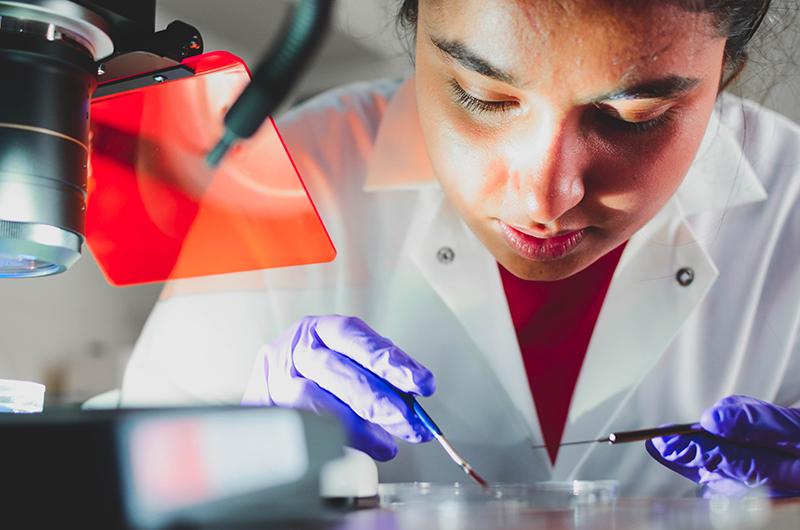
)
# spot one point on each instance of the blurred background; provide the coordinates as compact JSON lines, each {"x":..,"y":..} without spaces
{"x":74,"y":332}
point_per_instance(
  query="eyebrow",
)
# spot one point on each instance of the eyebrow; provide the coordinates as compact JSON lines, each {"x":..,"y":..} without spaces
{"x":471,"y":61}
{"x":665,"y":88}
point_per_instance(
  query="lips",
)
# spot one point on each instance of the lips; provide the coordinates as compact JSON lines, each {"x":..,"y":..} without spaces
{"x":541,"y":249}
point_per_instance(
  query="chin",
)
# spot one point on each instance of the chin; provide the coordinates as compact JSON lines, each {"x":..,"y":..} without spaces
{"x":550,"y":271}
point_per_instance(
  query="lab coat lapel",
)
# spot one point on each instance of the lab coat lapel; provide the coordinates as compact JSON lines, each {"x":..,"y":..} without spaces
{"x":466,"y":277}
{"x":643,"y":311}
{"x":646,"y":304}
{"x":448,"y":255}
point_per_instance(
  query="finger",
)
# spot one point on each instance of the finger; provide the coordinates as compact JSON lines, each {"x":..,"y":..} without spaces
{"x":751,"y":421}
{"x":369,"y":396}
{"x":657,"y":449}
{"x":726,"y":487}
{"x":714,"y":459}
{"x":352,"y":337}
{"x":306,"y":395}
{"x":759,"y":467}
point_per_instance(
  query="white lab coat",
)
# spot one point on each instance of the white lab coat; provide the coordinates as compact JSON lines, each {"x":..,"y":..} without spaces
{"x":660,"y":353}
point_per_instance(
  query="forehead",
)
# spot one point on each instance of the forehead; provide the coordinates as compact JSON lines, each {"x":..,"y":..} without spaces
{"x":617,"y":40}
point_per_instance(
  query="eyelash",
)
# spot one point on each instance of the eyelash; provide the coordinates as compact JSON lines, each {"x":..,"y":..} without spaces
{"x":475,"y":105}
{"x":637,"y":127}
{"x":480,"y":106}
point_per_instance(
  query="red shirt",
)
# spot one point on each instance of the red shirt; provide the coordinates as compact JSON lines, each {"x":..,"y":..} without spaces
{"x":554,"y":322}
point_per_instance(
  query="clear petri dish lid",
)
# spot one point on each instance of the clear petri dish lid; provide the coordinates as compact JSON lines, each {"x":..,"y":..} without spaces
{"x":21,"y":388}
{"x":21,"y":396}
{"x":553,"y":495}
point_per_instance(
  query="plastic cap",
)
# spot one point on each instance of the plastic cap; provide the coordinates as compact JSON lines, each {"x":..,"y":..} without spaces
{"x":352,"y":476}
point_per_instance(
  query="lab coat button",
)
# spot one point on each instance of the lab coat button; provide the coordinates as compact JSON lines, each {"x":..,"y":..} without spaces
{"x":445,"y":255}
{"x":685,"y":276}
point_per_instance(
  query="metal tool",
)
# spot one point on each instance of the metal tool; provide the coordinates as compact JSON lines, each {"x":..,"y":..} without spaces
{"x":437,"y":433}
{"x":641,"y":435}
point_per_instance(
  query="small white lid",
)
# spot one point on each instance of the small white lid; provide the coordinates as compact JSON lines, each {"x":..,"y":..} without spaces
{"x":354,"y":475}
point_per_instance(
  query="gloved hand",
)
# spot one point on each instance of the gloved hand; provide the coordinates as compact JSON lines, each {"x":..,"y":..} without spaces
{"x":338,"y":365}
{"x":748,"y":443}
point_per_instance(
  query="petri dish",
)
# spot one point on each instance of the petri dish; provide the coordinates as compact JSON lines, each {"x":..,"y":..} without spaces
{"x":537,"y":496}
{"x":21,"y":396}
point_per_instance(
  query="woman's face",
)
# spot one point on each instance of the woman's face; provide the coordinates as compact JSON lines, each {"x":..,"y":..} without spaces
{"x":559,"y":128}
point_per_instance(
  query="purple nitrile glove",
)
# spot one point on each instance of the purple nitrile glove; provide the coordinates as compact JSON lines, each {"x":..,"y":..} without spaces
{"x":338,"y":365}
{"x":748,"y":444}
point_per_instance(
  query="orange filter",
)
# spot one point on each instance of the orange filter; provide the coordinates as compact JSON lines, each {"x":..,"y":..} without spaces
{"x":156,"y":211}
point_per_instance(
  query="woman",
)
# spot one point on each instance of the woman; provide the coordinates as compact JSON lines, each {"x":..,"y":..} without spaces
{"x":564,"y":228}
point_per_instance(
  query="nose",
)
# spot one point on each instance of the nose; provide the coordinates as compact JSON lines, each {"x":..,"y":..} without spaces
{"x":551,"y":180}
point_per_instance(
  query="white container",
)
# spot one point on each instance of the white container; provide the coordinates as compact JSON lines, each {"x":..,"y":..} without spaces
{"x":21,"y":396}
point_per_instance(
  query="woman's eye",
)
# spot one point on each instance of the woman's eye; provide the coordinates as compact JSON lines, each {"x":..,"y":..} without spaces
{"x":475,"y":105}
{"x":620,"y":124}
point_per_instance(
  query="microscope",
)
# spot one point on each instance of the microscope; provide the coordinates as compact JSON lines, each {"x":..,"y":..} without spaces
{"x":56,"y":58}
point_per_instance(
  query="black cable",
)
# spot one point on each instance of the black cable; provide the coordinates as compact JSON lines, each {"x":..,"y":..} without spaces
{"x":276,"y":73}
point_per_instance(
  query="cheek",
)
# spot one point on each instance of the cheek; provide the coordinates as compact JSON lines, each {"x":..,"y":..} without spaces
{"x":474,"y":179}
{"x":639,"y":178}
{"x":462,"y":157}
{"x":463,"y":154}
{"x":496,"y":181}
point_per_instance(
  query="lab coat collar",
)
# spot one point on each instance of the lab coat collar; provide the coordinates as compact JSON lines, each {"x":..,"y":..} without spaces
{"x":720,"y":177}
{"x":399,"y":159}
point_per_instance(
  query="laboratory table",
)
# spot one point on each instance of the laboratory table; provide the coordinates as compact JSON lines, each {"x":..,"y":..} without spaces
{"x":626,"y":514}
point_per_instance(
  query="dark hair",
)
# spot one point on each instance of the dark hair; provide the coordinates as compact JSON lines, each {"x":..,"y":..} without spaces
{"x":736,"y":20}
